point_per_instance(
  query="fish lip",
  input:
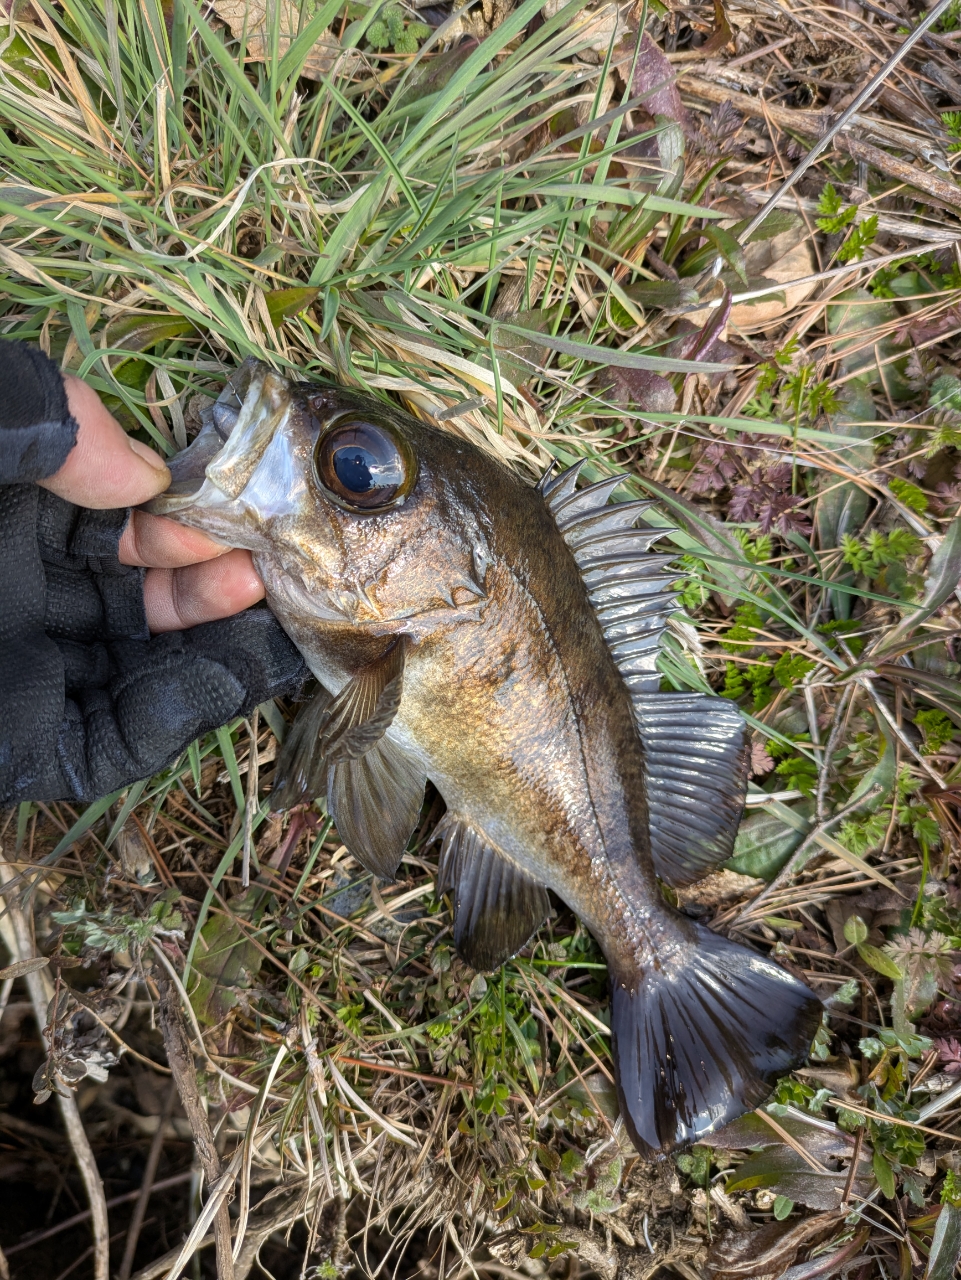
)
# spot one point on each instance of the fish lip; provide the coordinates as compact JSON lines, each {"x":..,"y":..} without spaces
{"x":191,"y":467}
{"x":180,"y":495}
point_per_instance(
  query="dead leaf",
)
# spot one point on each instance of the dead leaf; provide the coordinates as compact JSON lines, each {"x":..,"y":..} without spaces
{"x":656,"y":80}
{"x":227,"y":963}
{"x":253,"y":21}
{"x":720,"y":886}
{"x":779,"y":260}
{"x":22,"y":967}
{"x":722,"y":34}
{"x":641,"y":388}
{"x":766,"y":1254}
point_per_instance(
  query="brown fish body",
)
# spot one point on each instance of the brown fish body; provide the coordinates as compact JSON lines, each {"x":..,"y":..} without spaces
{"x":521,"y":718}
{"x":456,"y":640}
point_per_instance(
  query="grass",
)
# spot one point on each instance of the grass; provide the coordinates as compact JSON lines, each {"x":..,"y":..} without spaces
{"x":463,"y":230}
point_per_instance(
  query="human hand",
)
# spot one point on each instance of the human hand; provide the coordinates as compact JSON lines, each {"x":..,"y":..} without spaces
{"x":190,"y":578}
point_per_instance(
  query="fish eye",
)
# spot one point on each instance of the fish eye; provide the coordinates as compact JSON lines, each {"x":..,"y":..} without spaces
{"x":364,"y":465}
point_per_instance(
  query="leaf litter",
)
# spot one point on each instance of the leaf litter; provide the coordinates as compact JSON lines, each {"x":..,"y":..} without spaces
{"x":506,"y":218}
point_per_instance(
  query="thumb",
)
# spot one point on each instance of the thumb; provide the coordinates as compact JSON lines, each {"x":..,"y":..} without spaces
{"x":105,"y":468}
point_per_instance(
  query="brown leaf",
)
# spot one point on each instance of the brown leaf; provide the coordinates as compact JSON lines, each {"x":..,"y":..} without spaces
{"x":254,"y":20}
{"x":656,"y":78}
{"x":722,"y":34}
{"x":641,"y":388}
{"x":22,"y":967}
{"x":720,"y":886}
{"x":766,"y":1254}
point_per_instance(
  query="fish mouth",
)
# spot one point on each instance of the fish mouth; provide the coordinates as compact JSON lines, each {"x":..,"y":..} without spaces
{"x":234,"y":419}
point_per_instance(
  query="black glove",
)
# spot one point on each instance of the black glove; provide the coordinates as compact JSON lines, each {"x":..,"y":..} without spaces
{"x":89,"y":702}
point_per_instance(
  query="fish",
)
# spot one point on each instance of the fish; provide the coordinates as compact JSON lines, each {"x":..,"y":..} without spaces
{"x":500,"y":639}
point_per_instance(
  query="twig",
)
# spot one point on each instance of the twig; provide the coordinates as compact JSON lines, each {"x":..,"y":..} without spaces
{"x":146,"y":1187}
{"x":180,"y":1057}
{"x":852,"y":1172}
{"x":252,"y":803}
{"x":801,"y":854}
{"x":937,"y":189}
{"x":17,"y":938}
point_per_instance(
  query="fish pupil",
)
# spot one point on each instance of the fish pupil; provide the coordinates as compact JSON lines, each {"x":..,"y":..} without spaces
{"x":353,"y":467}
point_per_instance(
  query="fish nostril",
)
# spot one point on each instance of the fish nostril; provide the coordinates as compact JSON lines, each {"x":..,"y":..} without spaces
{"x":224,"y":417}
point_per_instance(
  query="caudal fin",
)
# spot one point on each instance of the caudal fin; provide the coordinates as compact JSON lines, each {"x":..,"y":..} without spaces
{"x":698,"y":1041}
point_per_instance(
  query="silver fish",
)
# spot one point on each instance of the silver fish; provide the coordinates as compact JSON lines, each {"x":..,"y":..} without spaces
{"x":500,"y":640}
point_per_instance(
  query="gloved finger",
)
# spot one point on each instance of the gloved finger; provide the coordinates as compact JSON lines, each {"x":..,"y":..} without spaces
{"x":160,"y":543}
{"x":179,"y":598}
{"x":105,"y":468}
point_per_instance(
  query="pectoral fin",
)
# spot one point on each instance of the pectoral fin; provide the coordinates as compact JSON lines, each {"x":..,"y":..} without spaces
{"x":496,"y":905}
{"x":337,"y":745}
{"x":300,"y":775}
{"x":362,"y":712}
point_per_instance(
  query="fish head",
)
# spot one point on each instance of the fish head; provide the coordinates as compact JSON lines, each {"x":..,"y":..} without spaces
{"x":354,"y":511}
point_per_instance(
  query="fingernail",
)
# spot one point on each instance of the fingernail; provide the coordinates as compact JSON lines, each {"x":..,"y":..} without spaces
{"x":149,"y":455}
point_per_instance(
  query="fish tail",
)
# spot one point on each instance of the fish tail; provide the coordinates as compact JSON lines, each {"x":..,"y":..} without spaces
{"x":698,"y":1040}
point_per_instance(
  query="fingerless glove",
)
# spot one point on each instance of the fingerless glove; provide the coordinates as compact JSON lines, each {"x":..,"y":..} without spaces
{"x":89,"y":701}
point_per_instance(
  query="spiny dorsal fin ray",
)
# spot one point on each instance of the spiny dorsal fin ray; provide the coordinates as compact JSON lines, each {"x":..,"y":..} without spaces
{"x":695,"y":745}
{"x":568,"y":510}
{"x":496,"y":905}
{"x":619,"y":515}
{"x":556,"y":488}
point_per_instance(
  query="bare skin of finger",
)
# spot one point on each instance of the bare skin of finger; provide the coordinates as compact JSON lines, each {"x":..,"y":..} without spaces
{"x":178,"y":598}
{"x":105,"y":468}
{"x":160,"y":543}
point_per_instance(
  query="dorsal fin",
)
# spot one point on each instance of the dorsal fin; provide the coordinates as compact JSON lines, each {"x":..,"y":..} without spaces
{"x":695,"y":745}
{"x":696,"y":756}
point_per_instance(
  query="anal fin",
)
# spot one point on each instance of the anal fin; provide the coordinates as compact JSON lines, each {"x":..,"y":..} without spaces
{"x":497,"y":907}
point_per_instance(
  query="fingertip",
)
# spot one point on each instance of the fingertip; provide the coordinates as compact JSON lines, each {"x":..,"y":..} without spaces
{"x":105,"y":468}
{"x":218,"y":588}
{"x":157,"y":542}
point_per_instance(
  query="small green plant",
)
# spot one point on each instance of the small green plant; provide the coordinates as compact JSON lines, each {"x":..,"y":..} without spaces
{"x":879,"y":550}
{"x":742,"y":632}
{"x":952,"y":126}
{"x":860,"y":835}
{"x":936,"y":727}
{"x":909,"y":494}
{"x":110,"y":931}
{"x":799,"y":772}
{"x":834,"y":218}
{"x":856,"y":933}
{"x":791,"y":668}
{"x":390,"y":31}
{"x":946,"y":391}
